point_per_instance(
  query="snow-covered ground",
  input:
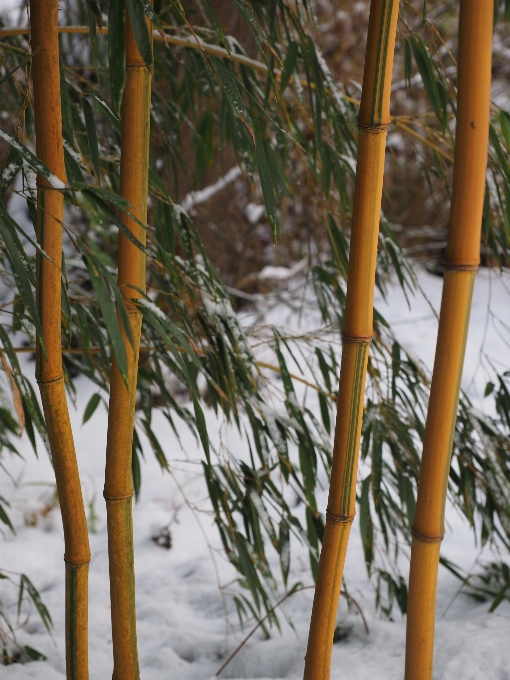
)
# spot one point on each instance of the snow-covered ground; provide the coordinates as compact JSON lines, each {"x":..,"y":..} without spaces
{"x":187,"y":626}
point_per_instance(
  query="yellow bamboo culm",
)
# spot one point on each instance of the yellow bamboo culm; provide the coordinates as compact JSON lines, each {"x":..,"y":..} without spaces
{"x":461,"y":263}
{"x":373,"y":120}
{"x":118,"y":489}
{"x":50,"y":377}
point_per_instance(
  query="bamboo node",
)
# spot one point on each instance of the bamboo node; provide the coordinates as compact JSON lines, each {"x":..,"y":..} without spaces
{"x":339,"y":519}
{"x":426,"y":539}
{"x":454,"y":267}
{"x":118,"y":499}
{"x":357,"y":340}
{"x":375,"y":128}
{"x":48,"y":381}
{"x":75,"y":563}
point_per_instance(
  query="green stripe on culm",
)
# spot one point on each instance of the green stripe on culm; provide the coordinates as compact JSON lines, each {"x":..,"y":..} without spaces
{"x":352,"y":440}
{"x":71,"y":589}
{"x":380,"y":66}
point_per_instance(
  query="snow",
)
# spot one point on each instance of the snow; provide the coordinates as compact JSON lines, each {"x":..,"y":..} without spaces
{"x":32,"y":160}
{"x":187,"y":625}
{"x":197,"y":197}
{"x":270,"y":273}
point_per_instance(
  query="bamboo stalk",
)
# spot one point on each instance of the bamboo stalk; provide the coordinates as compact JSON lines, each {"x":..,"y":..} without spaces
{"x":118,"y":489}
{"x":373,"y":121}
{"x":50,"y":377}
{"x":461,"y":263}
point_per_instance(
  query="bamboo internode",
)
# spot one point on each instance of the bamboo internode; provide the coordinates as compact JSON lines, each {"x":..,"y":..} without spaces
{"x":373,"y":120}
{"x":50,"y":377}
{"x":461,"y":262}
{"x":118,"y":490}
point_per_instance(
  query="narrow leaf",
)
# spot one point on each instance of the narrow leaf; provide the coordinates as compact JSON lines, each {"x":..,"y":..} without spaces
{"x":140,"y":30}
{"x":116,"y":50}
{"x":93,"y":403}
{"x":91,"y":136}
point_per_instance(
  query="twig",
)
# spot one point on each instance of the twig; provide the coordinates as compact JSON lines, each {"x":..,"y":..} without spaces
{"x":254,"y":630}
{"x":262,"y":620}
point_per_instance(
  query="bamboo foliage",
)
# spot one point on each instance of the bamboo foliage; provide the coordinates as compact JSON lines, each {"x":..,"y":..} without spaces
{"x":373,"y":120}
{"x":194,"y":330}
{"x":461,"y":262}
{"x":118,"y":489}
{"x":50,"y":377}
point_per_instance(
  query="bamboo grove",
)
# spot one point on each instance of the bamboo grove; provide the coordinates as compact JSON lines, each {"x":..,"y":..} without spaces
{"x":149,"y":102}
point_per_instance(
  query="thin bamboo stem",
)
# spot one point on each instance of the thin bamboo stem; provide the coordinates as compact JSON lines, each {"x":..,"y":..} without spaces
{"x":461,"y":263}
{"x":194,"y":43}
{"x":118,"y":489}
{"x":373,"y":121}
{"x":50,"y":377}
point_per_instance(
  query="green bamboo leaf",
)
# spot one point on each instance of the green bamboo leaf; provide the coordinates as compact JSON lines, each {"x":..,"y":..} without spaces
{"x":116,"y":51}
{"x":19,"y":269}
{"x":114,"y":120}
{"x":289,"y":65}
{"x":248,"y":14}
{"x":96,"y":11}
{"x":377,"y":461}
{"x":67,"y":111}
{"x":201,"y":427}
{"x":267,"y":186}
{"x":4,"y":517}
{"x":93,"y":403}
{"x":109,"y":315}
{"x":504,"y":119}
{"x":36,"y":599}
{"x":217,"y":25}
{"x":12,"y":165}
{"x":284,"y":549}
{"x":91,"y":136}
{"x":136,"y":470}
{"x":155,"y":445}
{"x":308,"y":465}
{"x":409,"y":499}
{"x":324,"y":407}
{"x":247,"y":568}
{"x":489,"y":389}
{"x":9,"y":74}
{"x":408,"y":63}
{"x":21,"y":592}
{"x":324,"y":368}
{"x":30,"y":404}
{"x":426,"y":69}
{"x":153,"y":17}
{"x":119,"y":298}
{"x":313,"y":541}
{"x":499,"y":598}
{"x":234,"y":97}
{"x":97,"y":195}
{"x":326,"y":157}
{"x":73,"y":167}
{"x":12,"y":227}
{"x":33,"y":654}
{"x":365,"y":522}
{"x":140,"y":31}
{"x":157,"y":184}
{"x":32,"y":160}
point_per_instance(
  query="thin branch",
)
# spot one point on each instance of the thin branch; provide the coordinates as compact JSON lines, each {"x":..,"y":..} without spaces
{"x":280,"y":602}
